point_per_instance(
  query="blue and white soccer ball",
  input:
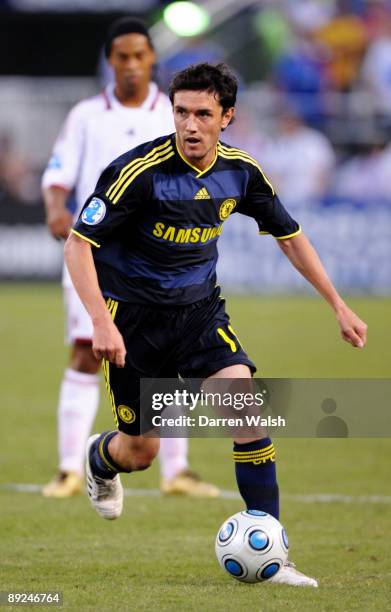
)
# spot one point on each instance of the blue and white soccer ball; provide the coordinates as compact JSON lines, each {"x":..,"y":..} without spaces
{"x":251,"y":546}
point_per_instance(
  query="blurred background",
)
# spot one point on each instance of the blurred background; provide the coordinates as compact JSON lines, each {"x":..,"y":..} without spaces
{"x":314,"y":108}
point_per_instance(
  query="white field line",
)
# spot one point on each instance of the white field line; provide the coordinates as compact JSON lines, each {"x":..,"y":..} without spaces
{"x":312,"y":498}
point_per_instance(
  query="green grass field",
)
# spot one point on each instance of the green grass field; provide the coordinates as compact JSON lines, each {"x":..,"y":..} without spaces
{"x":160,"y":554}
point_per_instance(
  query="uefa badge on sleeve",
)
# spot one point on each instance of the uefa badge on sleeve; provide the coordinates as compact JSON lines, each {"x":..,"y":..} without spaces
{"x":94,"y":212}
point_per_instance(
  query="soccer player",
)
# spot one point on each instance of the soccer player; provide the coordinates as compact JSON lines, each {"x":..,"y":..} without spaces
{"x":142,"y":257}
{"x":128,"y":112}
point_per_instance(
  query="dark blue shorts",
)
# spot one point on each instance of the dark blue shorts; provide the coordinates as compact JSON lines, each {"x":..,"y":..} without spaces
{"x":193,"y":341}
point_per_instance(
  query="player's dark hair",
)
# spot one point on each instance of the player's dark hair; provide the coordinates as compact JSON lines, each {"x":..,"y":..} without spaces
{"x":206,"y":77}
{"x":126,"y":25}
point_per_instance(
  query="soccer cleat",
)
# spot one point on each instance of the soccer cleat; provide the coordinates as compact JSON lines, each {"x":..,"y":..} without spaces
{"x":66,"y":484}
{"x":188,"y":483}
{"x":106,"y":495}
{"x":288,"y":574}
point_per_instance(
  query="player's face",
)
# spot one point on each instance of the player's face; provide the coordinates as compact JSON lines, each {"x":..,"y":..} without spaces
{"x":132,"y":60}
{"x":199,"y":119}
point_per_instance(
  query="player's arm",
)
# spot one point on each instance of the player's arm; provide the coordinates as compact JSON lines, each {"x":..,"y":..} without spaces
{"x":262,"y":204}
{"x":98,"y":221}
{"x":107,"y":342}
{"x":58,"y":217}
{"x":303,"y":256}
{"x":62,"y":172}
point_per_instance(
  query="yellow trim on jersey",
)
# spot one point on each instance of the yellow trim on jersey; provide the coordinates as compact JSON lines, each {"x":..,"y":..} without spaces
{"x":199,"y":172}
{"x":227,"y":339}
{"x":227,"y":149}
{"x":134,"y":173}
{"x":114,"y":311}
{"x":231,"y":329}
{"x":233,"y":153}
{"x":140,"y":162}
{"x":289,"y":235}
{"x":85,"y":238}
{"x":131,"y":165}
{"x":112,"y":306}
{"x":283,"y":237}
{"x":106,"y":372}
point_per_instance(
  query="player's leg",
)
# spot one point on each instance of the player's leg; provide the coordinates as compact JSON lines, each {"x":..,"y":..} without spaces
{"x":254,"y":457}
{"x":176,"y":476}
{"x":124,"y":449}
{"x":210,"y":350}
{"x":173,"y":460}
{"x":108,"y":455}
{"x":115,"y":451}
{"x":215,"y":352}
{"x":78,"y":401}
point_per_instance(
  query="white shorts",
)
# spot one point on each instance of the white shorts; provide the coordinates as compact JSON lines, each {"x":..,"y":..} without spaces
{"x":78,"y":322}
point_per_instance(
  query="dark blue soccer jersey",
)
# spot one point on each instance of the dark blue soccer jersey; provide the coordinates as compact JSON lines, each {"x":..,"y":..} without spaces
{"x":154,"y":220}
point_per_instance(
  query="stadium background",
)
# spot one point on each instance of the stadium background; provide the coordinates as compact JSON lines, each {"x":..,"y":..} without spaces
{"x":323,"y":65}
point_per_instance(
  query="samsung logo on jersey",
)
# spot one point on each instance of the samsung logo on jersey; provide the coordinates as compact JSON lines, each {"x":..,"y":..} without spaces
{"x":94,"y":212}
{"x":186,"y":235}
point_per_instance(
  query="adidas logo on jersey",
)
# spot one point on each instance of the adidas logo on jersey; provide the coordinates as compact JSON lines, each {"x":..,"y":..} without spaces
{"x":202,"y":194}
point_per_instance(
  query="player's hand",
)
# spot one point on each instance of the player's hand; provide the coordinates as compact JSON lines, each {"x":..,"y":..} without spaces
{"x":353,"y":330}
{"x":59,"y":222}
{"x":107,"y":343}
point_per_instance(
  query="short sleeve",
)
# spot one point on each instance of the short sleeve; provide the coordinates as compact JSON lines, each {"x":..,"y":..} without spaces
{"x":64,"y":164}
{"x":109,"y":207}
{"x":262,"y":204}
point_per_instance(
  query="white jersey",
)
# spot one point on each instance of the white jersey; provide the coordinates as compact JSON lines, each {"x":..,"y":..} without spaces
{"x":96,"y":131}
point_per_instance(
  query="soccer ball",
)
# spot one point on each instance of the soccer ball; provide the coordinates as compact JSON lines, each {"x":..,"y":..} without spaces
{"x":251,"y":546}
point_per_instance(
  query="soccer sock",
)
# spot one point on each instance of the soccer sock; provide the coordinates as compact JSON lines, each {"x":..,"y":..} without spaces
{"x":256,"y":475}
{"x":77,"y":407}
{"x":173,"y":456}
{"x":101,"y":462}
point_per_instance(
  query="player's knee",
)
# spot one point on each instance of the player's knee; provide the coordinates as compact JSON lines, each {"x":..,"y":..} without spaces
{"x":82,"y":359}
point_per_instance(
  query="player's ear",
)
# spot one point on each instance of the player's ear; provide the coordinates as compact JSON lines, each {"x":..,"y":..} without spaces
{"x":227,"y":117}
{"x":152,"y":56}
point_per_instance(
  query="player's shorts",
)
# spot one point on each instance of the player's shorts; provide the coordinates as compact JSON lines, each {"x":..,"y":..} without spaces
{"x":194,"y":341}
{"x":78,"y":322}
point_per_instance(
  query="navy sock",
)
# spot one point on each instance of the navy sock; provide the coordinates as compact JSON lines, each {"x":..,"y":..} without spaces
{"x":256,"y":475}
{"x":101,"y":462}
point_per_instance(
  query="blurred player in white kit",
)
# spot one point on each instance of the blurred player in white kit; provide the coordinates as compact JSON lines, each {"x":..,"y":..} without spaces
{"x":128,"y":112}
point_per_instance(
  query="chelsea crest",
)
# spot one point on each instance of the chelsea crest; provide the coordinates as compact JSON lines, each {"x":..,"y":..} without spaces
{"x":226,"y":208}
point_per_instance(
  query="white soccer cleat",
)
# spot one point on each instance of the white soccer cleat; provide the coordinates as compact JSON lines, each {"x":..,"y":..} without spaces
{"x":106,"y":494}
{"x":288,"y":574}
